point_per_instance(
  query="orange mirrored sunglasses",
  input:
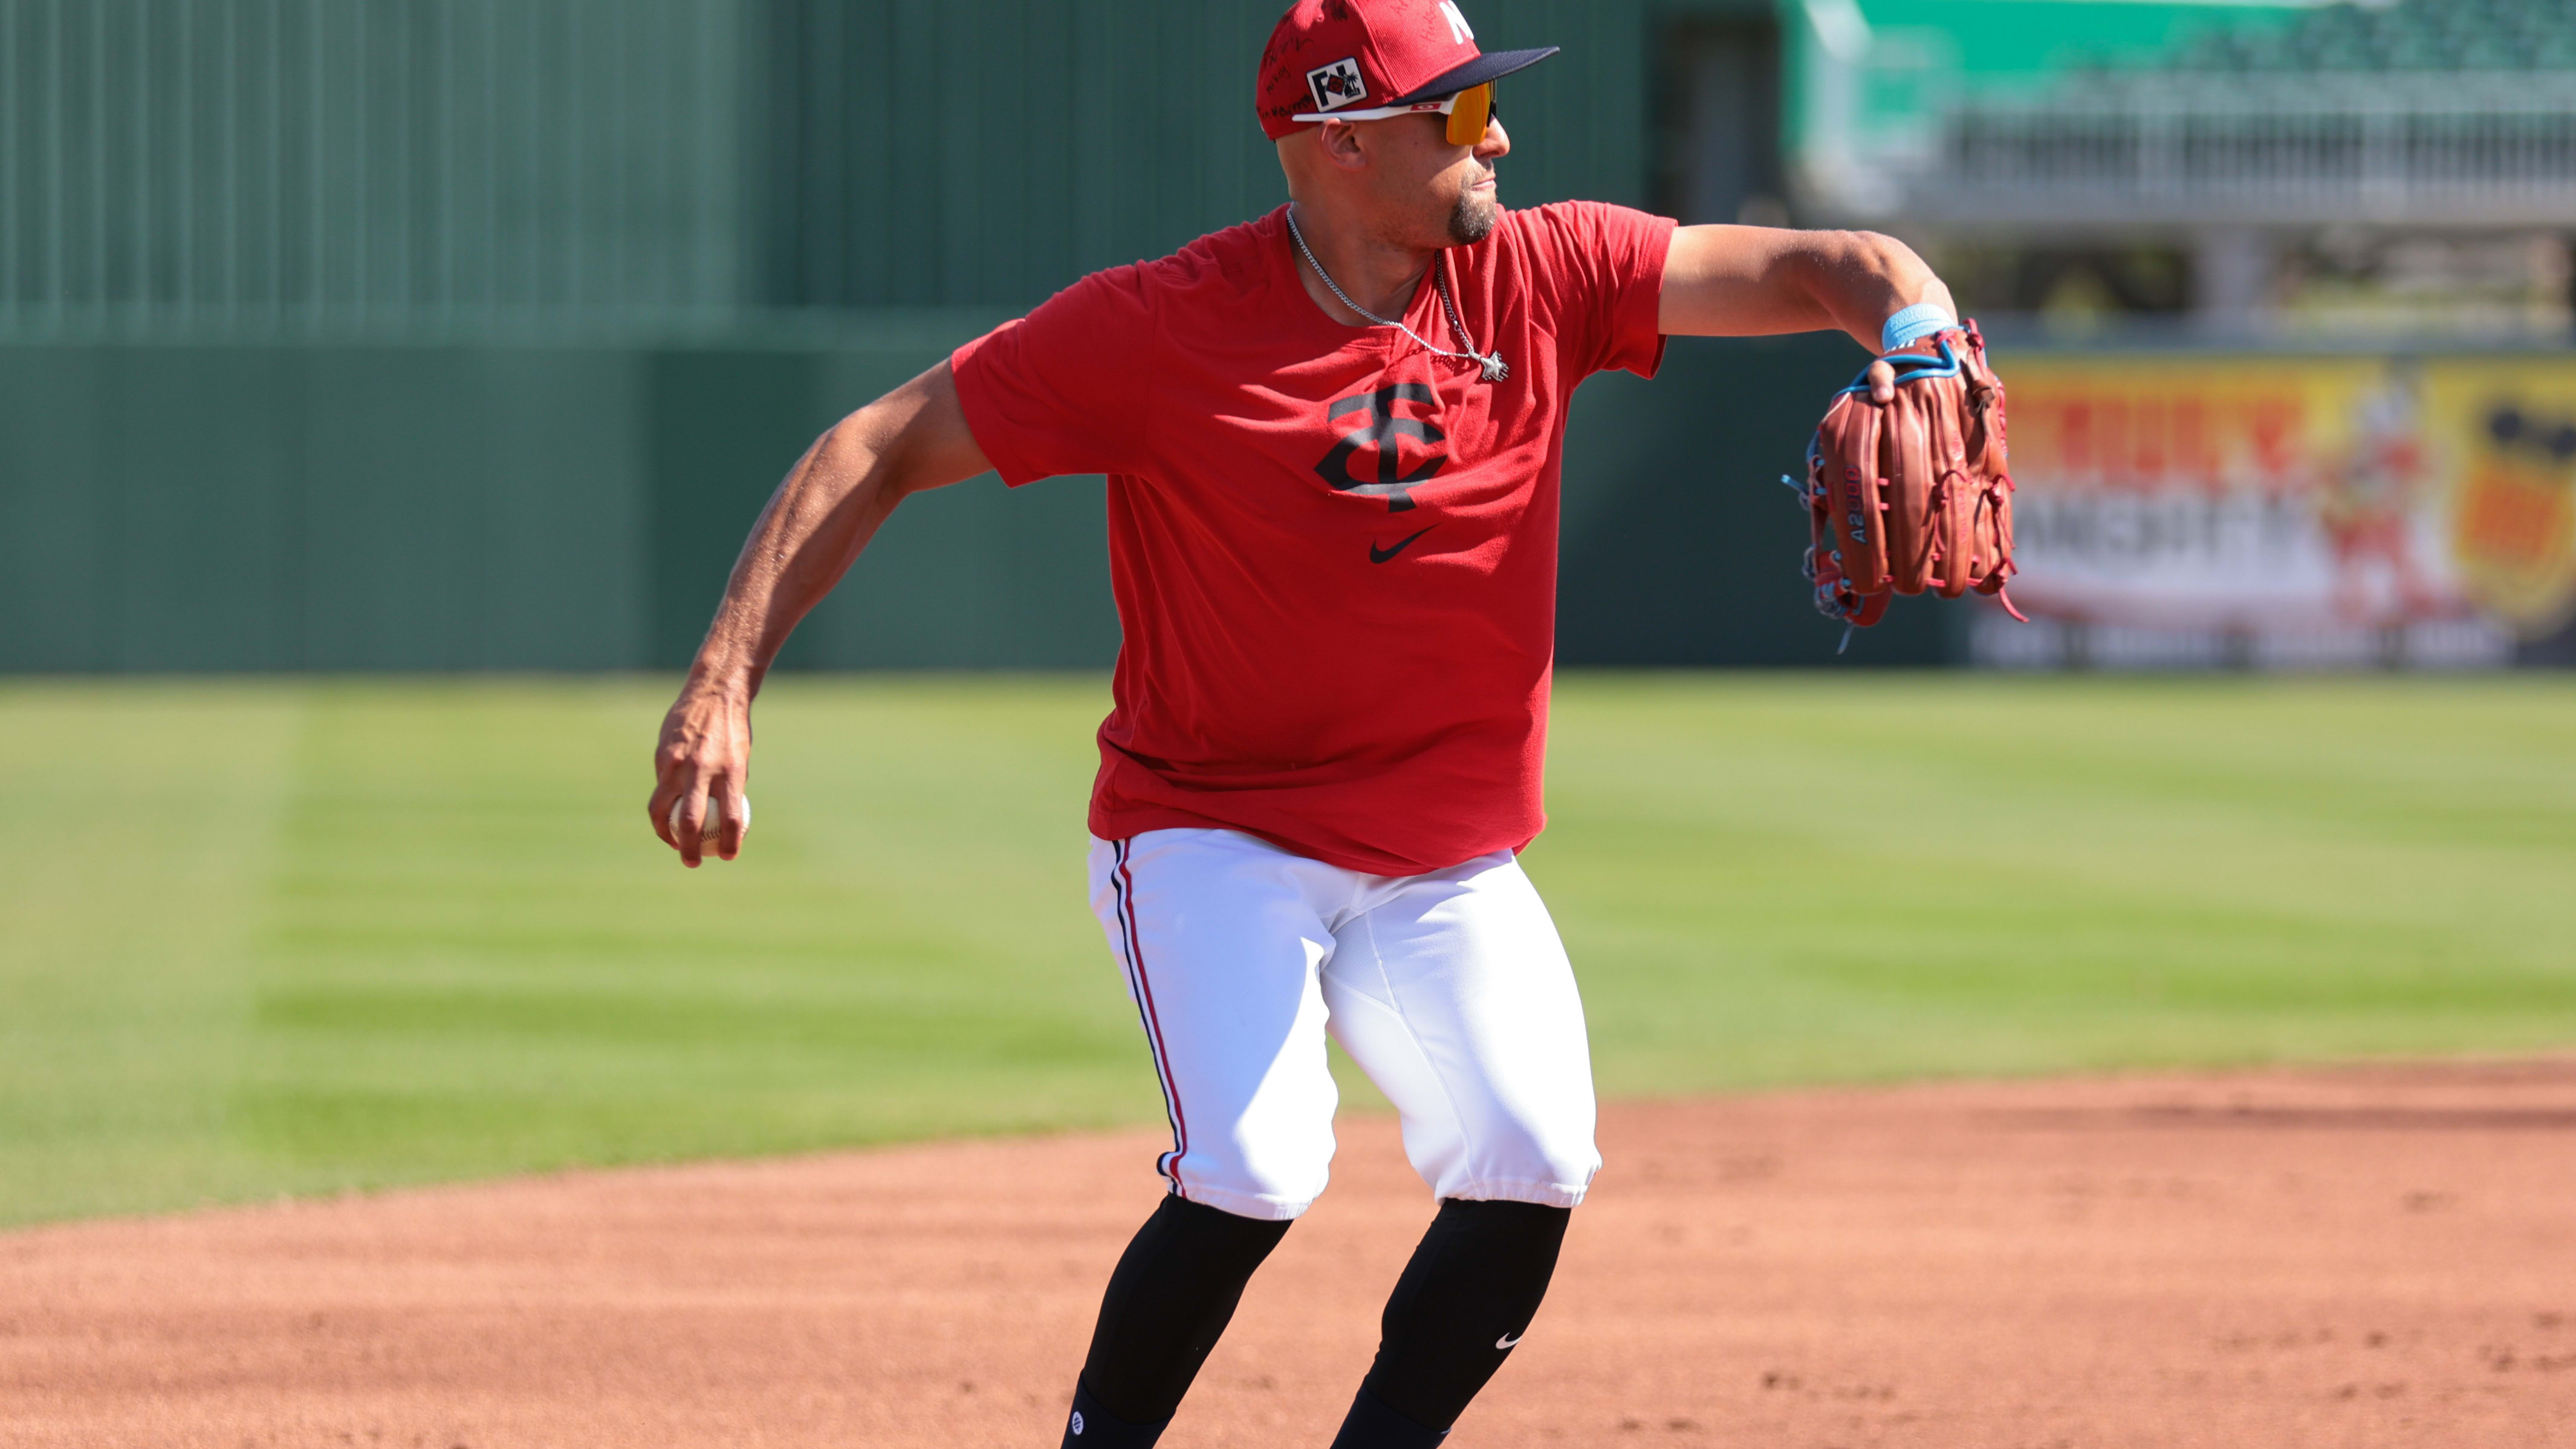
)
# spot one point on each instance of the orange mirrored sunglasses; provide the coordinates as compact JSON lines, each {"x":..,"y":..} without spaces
{"x":1468,"y":112}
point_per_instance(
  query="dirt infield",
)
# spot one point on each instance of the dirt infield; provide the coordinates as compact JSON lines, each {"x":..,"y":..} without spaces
{"x":2367,"y":1257}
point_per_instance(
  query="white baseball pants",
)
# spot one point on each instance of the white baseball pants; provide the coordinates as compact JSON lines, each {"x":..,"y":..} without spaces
{"x":1451,"y":990}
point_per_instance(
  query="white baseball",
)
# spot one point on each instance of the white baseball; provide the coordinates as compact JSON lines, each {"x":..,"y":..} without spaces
{"x":713,"y":825}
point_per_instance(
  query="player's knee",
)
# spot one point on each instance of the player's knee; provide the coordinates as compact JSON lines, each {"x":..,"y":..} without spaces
{"x":1567,"y":1163}
{"x":1278,"y":1181}
{"x":1536,"y":1158}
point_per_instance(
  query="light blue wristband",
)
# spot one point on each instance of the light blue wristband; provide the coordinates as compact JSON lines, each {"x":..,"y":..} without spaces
{"x":1914,"y":323}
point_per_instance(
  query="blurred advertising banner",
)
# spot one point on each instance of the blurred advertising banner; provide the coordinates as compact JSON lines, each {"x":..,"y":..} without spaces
{"x":2226,"y":508}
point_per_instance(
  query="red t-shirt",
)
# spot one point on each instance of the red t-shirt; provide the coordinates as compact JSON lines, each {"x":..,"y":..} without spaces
{"x":1334,"y":553}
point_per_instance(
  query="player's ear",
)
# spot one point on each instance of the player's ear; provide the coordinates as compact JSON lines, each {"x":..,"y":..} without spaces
{"x":1338,"y":142}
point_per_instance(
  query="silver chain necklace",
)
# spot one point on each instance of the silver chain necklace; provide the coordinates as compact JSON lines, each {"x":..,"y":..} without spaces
{"x":1495,"y":369}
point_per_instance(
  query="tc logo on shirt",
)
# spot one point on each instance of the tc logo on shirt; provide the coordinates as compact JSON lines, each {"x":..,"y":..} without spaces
{"x":1380,"y":431}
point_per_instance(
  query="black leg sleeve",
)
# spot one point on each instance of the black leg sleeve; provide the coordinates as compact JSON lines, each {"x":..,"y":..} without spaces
{"x":1173,"y":1294}
{"x":1456,"y":1314}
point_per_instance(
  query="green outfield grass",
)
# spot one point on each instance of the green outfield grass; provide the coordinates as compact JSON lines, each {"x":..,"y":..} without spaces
{"x":291,"y":937}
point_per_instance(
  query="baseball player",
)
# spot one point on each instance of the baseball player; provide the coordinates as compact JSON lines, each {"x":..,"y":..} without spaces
{"x":1332,"y":437}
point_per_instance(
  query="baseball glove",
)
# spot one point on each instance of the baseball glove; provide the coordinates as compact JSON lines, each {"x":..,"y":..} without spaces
{"x":1912,"y":494}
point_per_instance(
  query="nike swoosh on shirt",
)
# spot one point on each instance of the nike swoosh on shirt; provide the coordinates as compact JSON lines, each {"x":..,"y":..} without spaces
{"x":1381,"y":555}
{"x":1508,"y":1339}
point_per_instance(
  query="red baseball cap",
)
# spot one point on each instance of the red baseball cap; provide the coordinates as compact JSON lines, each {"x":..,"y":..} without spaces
{"x":1328,"y":57}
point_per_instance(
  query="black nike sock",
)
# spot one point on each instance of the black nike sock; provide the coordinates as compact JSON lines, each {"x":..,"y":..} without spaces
{"x":1456,"y":1314}
{"x":1173,"y":1294}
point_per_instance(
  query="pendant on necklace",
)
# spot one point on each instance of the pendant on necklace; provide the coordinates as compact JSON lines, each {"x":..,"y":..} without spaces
{"x":1495,"y":368}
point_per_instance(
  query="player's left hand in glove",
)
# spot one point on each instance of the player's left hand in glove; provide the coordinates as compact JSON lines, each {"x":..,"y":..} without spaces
{"x":1911,"y":493}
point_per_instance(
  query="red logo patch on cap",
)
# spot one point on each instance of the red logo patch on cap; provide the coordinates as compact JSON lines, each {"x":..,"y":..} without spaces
{"x":1337,"y":85}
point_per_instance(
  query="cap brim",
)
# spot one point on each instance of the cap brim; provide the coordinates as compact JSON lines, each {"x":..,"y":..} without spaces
{"x":1475,"y":73}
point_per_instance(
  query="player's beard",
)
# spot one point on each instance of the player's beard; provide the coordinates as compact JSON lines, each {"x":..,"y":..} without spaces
{"x":1473,"y":218}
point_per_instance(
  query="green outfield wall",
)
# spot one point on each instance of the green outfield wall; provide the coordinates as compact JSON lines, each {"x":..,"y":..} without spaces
{"x":287,"y":163}
{"x":231,"y":507}
{"x":303,"y":165}
{"x":1037,"y":142}
{"x":469,"y":334}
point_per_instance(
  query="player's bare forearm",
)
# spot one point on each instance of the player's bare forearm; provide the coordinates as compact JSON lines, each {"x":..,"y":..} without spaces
{"x":815,"y":526}
{"x":1754,"y":281}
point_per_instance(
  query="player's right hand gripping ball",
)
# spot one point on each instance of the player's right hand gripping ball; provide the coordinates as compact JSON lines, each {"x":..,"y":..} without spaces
{"x":1914,"y":494}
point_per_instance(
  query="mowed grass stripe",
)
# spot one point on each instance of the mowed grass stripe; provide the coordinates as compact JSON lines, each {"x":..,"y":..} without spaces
{"x":484,"y":962}
{"x":1971,"y":874}
{"x":301,"y":936}
{"x":132,"y":879}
